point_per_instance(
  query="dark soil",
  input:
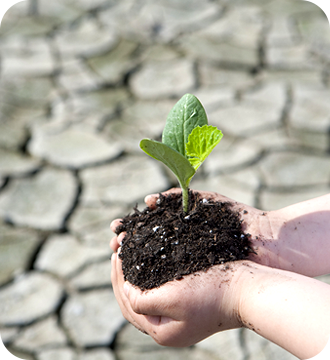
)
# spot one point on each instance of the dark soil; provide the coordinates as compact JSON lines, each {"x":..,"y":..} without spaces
{"x":164,"y":244}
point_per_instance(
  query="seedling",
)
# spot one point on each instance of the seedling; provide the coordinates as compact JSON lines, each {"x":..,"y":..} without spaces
{"x":186,"y":142}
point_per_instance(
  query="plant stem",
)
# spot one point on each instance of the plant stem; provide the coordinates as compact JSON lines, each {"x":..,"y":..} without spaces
{"x":185,"y":198}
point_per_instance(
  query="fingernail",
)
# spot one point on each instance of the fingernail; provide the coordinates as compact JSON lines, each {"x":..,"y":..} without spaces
{"x":119,"y":250}
{"x":126,"y":288}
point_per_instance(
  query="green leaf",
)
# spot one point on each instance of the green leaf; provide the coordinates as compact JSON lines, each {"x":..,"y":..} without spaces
{"x":186,"y":114}
{"x":171,"y":158}
{"x":201,"y":142}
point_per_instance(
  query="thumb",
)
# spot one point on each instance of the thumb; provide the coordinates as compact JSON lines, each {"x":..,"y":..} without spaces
{"x":155,"y":302}
{"x":150,"y":200}
{"x":141,"y":302}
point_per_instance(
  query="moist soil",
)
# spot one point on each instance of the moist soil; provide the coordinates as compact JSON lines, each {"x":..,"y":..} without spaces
{"x":164,"y":244}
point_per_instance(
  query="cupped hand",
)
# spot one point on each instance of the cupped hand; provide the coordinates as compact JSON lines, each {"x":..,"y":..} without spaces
{"x":182,"y":312}
{"x":257,"y":223}
{"x":290,"y":238}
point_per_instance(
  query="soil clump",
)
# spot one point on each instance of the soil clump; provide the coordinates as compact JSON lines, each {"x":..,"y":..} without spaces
{"x":164,"y":244}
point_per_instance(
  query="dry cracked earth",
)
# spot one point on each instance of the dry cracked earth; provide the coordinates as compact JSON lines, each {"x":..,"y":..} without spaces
{"x":81,"y":82}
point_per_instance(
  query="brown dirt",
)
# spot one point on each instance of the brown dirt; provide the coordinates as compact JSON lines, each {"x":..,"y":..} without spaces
{"x":164,"y":244}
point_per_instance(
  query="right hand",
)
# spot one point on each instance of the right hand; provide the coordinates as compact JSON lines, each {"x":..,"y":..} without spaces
{"x":257,"y":223}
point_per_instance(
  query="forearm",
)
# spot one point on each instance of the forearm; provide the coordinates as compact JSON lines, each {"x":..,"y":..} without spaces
{"x":288,"y":309}
{"x":296,"y":238}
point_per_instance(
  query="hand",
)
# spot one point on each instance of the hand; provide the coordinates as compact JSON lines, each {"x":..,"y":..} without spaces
{"x":264,"y":299}
{"x":282,"y":238}
{"x":182,"y":312}
{"x":257,"y":223}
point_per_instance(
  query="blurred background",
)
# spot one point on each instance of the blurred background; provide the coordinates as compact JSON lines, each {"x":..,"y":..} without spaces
{"x":81,"y":83}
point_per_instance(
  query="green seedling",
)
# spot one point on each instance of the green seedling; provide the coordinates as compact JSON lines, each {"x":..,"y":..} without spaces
{"x":186,"y":142}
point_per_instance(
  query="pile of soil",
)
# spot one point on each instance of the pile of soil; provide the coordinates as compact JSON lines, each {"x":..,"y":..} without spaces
{"x":164,"y":244}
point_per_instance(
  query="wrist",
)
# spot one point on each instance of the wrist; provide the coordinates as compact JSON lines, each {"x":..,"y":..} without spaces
{"x":272,"y":301}
{"x":264,"y":239}
{"x":238,"y":275}
{"x":250,"y":279}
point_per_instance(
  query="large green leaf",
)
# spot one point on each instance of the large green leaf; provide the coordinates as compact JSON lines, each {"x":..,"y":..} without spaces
{"x":171,"y":158}
{"x":201,"y":142}
{"x":187,"y":113}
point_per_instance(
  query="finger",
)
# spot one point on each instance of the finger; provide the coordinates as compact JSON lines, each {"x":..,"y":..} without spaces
{"x":117,"y":241}
{"x":114,"y":244}
{"x":154,"y":325}
{"x":161,"y":328}
{"x":116,"y":287}
{"x":164,"y":330}
{"x":117,"y":279}
{"x":151,"y":200}
{"x":213,"y":196}
{"x":114,"y":224}
{"x":163,"y":301}
{"x":121,"y":237}
{"x":121,"y":289}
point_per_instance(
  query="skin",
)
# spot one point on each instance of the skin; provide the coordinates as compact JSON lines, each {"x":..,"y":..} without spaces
{"x":272,"y":293}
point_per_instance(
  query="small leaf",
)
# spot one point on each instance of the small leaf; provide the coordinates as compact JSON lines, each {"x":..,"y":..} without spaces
{"x":186,"y":114}
{"x":171,"y":158}
{"x":202,"y":141}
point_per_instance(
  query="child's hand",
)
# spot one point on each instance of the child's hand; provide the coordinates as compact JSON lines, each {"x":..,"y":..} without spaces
{"x":295,"y":238}
{"x":182,"y":312}
{"x":264,"y":299}
{"x":257,"y":223}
